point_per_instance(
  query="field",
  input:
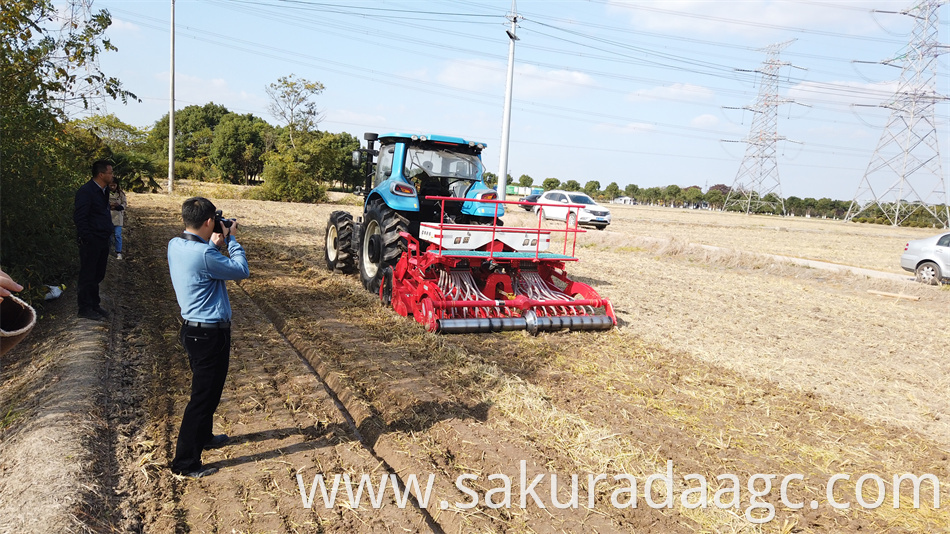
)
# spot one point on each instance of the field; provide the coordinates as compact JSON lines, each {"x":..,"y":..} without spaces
{"x":725,"y":362}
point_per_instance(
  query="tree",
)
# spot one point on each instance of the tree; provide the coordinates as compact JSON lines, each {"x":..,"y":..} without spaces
{"x":571,"y":185}
{"x":722,"y":188}
{"x":693,"y":195}
{"x":550,"y":183}
{"x":237,"y":147}
{"x":194,"y":134}
{"x":612,"y":191}
{"x":525,"y":181}
{"x":715,"y":198}
{"x":592,"y":188}
{"x":115,"y":133}
{"x":672,"y":194}
{"x":291,"y":103}
{"x":42,"y":160}
{"x":490,"y":179}
{"x":632,"y":190}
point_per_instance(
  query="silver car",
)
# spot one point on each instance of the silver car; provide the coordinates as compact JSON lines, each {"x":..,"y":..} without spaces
{"x":928,"y":258}
{"x":556,"y":207}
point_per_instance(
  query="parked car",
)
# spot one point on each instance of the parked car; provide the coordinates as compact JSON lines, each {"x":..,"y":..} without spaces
{"x":529,"y":198}
{"x":591,"y":214}
{"x":928,"y":258}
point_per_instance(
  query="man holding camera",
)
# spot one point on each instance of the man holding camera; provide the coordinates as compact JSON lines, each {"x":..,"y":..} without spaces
{"x":199,"y":273}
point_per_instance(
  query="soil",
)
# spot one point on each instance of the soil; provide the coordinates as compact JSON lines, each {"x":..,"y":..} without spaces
{"x":722,"y":363}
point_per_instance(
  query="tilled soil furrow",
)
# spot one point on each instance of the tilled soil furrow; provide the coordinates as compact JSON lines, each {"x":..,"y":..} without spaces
{"x":281,"y":421}
{"x":421,"y":437}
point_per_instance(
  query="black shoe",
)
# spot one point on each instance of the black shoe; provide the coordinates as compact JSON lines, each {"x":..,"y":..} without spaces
{"x":91,"y":314}
{"x":219,"y":440}
{"x":101,"y":311}
{"x":199,"y":473}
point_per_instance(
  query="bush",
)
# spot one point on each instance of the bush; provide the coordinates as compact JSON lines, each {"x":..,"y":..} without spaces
{"x":286,"y":181}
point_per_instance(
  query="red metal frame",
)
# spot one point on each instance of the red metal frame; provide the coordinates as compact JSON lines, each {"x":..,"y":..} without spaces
{"x":413,"y":285}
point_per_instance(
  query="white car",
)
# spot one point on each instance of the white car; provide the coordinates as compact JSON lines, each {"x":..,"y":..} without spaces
{"x":557,"y":207}
{"x":928,"y":258}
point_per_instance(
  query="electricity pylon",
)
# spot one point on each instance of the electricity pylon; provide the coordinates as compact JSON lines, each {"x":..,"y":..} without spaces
{"x":85,"y":93}
{"x":904,"y":175}
{"x":758,"y":173}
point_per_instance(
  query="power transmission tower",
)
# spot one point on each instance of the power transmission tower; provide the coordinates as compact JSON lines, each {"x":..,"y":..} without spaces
{"x":904,"y":175}
{"x":85,"y":93}
{"x":757,"y":182}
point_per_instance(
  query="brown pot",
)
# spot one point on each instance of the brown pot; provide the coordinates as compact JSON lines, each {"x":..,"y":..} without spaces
{"x":17,"y":318}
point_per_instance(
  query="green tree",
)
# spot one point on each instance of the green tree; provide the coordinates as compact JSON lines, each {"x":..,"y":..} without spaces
{"x":672,"y":195}
{"x":118,"y":135}
{"x":194,"y":134}
{"x":286,"y":180}
{"x":612,"y":191}
{"x":715,"y":198}
{"x":237,"y":147}
{"x":632,"y":190}
{"x":592,"y":188}
{"x":525,"y":181}
{"x":693,"y":195}
{"x":490,"y":179}
{"x":571,"y":185}
{"x":42,"y":159}
{"x":550,"y":183}
{"x":291,"y":103}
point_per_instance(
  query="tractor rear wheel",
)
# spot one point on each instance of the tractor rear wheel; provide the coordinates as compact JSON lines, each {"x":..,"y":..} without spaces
{"x":339,"y":234}
{"x":381,"y":245}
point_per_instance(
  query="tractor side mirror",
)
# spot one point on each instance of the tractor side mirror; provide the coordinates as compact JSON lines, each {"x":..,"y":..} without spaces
{"x":356,"y":158}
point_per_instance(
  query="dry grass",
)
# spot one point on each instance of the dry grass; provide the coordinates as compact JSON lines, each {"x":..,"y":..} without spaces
{"x":812,"y":332}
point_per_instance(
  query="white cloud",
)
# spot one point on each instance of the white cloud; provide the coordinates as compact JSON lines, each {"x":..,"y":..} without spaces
{"x":678,"y":91}
{"x":705,"y":17}
{"x":530,"y":81}
{"x":123,"y":26}
{"x":631,"y":128}
{"x":704,"y":121}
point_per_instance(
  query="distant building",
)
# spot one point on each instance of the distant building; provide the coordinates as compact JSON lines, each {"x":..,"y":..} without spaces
{"x":624,"y":200}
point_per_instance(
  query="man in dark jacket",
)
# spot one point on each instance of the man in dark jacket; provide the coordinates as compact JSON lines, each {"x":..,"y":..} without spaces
{"x":93,"y":228}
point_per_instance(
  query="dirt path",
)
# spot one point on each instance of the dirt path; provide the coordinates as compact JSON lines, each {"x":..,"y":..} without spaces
{"x":324,"y":380}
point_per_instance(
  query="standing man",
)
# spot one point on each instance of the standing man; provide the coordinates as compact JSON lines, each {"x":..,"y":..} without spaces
{"x":93,"y":228}
{"x":199,"y":273}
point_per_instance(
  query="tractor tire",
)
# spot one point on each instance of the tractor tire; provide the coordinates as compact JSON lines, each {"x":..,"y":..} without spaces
{"x":338,"y":254}
{"x":381,"y":245}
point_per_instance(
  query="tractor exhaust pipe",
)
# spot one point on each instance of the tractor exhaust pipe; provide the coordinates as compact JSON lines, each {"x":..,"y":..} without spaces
{"x":530,"y":322}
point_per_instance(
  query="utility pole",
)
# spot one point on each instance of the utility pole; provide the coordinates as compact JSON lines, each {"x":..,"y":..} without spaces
{"x":506,"y":121}
{"x":171,"y":110}
{"x":904,"y":175}
{"x":758,"y":173}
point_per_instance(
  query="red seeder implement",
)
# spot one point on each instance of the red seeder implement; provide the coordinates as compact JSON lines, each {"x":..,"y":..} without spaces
{"x":462,"y":278}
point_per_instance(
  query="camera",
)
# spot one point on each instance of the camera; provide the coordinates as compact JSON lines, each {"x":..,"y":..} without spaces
{"x":220,"y":223}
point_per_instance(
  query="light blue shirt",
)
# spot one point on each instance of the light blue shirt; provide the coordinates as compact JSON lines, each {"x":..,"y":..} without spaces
{"x":199,"y":274}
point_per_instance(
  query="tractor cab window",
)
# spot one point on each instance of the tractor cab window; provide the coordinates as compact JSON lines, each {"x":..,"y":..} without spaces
{"x":439,"y":171}
{"x":384,"y":165}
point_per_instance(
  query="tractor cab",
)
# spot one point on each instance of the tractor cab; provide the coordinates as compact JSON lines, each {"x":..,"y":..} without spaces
{"x":410,"y":168}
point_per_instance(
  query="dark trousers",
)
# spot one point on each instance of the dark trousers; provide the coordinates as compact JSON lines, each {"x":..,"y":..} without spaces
{"x":93,"y":258}
{"x":208,"y":351}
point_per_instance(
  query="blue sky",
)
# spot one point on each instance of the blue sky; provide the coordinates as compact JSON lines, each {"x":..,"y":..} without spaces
{"x":607,"y":90}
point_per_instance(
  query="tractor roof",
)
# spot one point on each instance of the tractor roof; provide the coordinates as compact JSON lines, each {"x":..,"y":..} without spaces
{"x":428,"y":137}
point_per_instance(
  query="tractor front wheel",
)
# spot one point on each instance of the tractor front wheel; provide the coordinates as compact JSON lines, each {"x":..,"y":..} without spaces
{"x":381,"y":245}
{"x":339,"y":234}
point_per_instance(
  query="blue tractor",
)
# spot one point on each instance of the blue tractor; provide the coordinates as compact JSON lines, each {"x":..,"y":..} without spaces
{"x":400,"y":174}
